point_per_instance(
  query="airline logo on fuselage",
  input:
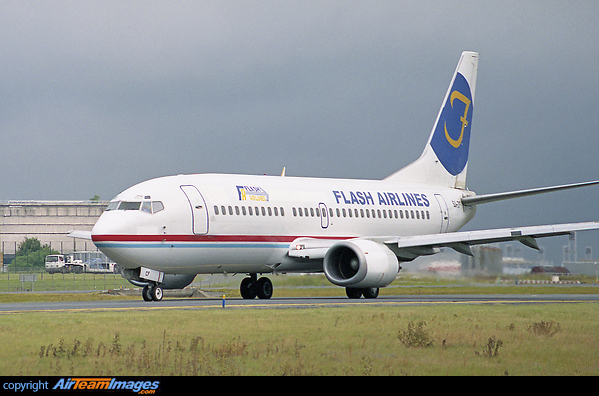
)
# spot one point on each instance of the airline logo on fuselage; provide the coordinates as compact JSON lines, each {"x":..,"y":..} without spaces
{"x":382,"y":198}
{"x":251,"y":193}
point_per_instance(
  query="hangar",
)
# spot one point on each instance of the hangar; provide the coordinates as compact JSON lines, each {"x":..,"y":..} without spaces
{"x":48,"y":221}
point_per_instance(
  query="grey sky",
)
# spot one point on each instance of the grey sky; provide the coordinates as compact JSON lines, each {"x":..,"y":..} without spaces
{"x":99,"y":95}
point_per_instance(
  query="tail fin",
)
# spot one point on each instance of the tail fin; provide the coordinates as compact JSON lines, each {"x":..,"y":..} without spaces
{"x":445,"y":158}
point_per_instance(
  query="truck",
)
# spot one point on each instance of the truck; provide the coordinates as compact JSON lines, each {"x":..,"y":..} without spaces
{"x":79,"y":262}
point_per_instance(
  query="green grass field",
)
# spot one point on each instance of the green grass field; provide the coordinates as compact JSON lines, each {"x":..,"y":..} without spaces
{"x":556,"y":339}
{"x":447,"y":339}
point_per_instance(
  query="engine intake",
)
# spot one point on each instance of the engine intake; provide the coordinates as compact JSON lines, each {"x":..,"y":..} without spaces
{"x":360,"y":263}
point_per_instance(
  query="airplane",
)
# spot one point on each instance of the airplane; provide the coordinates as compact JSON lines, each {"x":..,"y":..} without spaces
{"x":163,"y":232}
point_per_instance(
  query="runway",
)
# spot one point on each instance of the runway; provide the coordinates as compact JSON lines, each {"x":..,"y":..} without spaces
{"x":291,"y":303}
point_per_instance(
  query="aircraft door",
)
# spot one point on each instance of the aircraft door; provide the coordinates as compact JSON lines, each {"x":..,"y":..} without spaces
{"x":324,"y":215}
{"x":444,"y":212}
{"x":199,"y":210}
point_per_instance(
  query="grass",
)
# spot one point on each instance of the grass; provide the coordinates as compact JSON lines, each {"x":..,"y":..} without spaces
{"x":548,"y":339}
{"x":553,"y":339}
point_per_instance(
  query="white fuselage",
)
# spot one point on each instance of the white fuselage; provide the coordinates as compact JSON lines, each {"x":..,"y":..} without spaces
{"x":215,"y":223}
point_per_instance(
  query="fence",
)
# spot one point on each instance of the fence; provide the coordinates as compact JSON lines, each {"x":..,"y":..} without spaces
{"x":17,"y":280}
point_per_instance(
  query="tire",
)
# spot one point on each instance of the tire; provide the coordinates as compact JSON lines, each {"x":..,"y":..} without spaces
{"x":145,"y":293}
{"x":246,"y":289}
{"x":264,"y":289}
{"x":353,"y":292}
{"x":156,"y":293}
{"x":370,"y":292}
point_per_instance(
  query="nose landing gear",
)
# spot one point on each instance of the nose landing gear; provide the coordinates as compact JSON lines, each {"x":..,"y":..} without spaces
{"x":152,"y":292}
{"x":252,"y":287}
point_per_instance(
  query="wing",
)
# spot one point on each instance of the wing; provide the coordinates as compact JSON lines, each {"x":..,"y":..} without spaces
{"x":412,"y":246}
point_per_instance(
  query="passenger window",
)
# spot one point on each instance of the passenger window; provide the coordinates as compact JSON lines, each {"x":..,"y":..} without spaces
{"x":250,"y":211}
{"x":224,"y":211}
{"x":230,"y":210}
{"x":243,"y":211}
{"x":282,"y":211}
{"x":263,"y":211}
{"x":237,"y":210}
{"x":294,"y":211}
{"x":269,"y":211}
{"x":276,"y":210}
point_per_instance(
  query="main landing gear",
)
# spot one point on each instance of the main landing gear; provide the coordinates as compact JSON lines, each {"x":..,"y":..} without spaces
{"x":367,"y":292}
{"x":252,"y":287}
{"x":152,"y":292}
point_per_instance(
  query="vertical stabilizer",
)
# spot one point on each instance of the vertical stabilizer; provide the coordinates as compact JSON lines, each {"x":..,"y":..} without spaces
{"x":444,"y":160}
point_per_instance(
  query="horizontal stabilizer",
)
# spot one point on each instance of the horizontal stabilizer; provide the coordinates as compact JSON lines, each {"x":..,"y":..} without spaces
{"x":480,"y":199}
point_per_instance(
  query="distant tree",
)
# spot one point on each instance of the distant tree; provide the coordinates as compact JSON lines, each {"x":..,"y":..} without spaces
{"x":95,"y":198}
{"x":31,"y":254}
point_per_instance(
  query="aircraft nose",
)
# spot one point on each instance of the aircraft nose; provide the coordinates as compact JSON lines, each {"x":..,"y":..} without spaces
{"x":108,"y":224}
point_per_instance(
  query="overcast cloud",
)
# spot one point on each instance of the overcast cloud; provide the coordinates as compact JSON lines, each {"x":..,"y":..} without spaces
{"x":99,"y":95}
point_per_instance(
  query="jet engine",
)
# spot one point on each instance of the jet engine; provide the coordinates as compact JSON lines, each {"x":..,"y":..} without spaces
{"x":360,"y":263}
{"x":170,"y":281}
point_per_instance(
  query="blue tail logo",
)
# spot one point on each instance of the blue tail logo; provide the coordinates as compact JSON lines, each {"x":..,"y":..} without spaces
{"x":451,"y":139}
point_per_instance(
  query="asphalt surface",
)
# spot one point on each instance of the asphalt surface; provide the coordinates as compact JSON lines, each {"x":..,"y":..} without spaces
{"x":290,"y":303}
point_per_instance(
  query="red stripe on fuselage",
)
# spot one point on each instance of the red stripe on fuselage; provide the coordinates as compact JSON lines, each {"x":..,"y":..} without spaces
{"x":206,"y":238}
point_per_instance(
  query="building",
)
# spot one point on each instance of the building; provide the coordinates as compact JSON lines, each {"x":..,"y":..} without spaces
{"x":48,"y":221}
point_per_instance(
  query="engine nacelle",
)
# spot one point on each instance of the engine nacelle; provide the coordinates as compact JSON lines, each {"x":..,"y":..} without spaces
{"x":360,"y":263}
{"x":170,"y":281}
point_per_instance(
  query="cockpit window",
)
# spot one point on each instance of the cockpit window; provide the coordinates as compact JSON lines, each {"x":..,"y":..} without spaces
{"x":145,"y":206}
{"x":113,"y":205}
{"x":157,"y":206}
{"x":127,"y":205}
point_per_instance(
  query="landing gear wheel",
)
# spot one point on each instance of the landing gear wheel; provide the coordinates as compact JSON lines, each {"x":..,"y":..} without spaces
{"x":145,"y":293}
{"x":156,"y":293}
{"x":246,"y":289}
{"x":264,"y":288}
{"x":370,"y":292}
{"x":353,"y":292}
{"x":152,"y":293}
{"x":367,"y":292}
